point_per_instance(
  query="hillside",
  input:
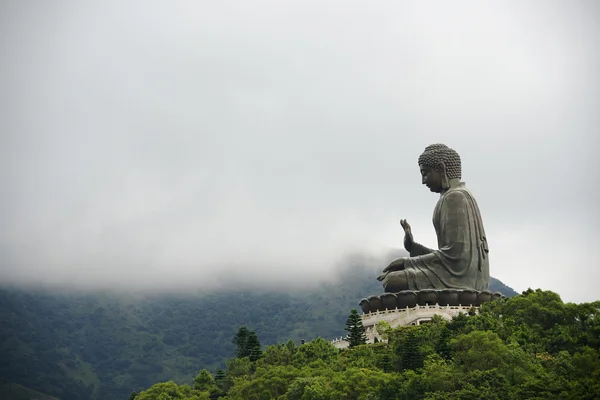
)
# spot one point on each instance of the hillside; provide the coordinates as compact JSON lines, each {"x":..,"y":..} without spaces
{"x":532,"y":346}
{"x":97,"y":346}
{"x":12,"y":391}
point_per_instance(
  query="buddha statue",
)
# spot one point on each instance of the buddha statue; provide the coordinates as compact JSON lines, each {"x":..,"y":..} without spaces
{"x":461,"y":260}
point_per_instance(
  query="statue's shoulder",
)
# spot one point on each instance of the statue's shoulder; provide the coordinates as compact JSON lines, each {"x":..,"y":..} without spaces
{"x":459,"y":193}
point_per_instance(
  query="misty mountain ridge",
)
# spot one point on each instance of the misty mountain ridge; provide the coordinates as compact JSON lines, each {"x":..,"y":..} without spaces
{"x":78,"y":345}
{"x":351,"y":265}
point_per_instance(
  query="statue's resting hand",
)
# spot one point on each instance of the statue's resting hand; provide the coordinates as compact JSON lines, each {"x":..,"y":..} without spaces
{"x":395,"y":265}
{"x":408,"y":236}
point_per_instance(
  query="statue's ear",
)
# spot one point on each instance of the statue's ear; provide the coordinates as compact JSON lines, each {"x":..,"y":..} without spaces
{"x":445,"y":181}
{"x":443,"y":167}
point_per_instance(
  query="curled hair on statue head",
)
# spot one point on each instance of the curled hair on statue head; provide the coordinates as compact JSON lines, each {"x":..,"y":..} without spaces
{"x":442,"y":158}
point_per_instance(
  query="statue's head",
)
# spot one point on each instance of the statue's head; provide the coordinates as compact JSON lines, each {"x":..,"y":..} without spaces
{"x":439,"y":164}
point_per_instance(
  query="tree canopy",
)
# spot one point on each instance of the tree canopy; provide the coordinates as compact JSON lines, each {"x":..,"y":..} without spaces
{"x":531,"y":346}
{"x":356,"y":331}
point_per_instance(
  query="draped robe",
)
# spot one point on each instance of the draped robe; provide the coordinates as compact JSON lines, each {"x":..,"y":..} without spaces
{"x":461,"y":261}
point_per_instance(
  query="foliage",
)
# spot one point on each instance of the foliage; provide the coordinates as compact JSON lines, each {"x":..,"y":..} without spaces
{"x":356,"y":331}
{"x":383,"y":329}
{"x":171,"y":391}
{"x":77,"y":346}
{"x":246,"y":344}
{"x":13,"y":391}
{"x":205,"y":382}
{"x":409,"y":353}
{"x":540,"y":348}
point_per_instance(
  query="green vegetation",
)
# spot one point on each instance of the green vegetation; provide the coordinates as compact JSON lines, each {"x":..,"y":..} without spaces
{"x":246,"y":344}
{"x":12,"y":391}
{"x":531,"y":346}
{"x":104,"y":346}
{"x":356,"y":331}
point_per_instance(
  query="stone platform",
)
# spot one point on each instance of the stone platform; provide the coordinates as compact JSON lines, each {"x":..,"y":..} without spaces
{"x":410,"y":316}
{"x":404,"y":317}
{"x":412,"y":298}
{"x":416,"y":307}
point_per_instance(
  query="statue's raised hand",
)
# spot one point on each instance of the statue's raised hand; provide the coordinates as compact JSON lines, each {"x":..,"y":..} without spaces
{"x":408,"y":236}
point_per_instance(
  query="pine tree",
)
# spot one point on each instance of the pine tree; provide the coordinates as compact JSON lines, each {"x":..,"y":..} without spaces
{"x":386,"y":363}
{"x":220,"y":378}
{"x":240,"y":340}
{"x":204,"y":381}
{"x":253,"y":346}
{"x":442,"y":346}
{"x":410,"y":354}
{"x":356,"y":331}
{"x":247,"y":344}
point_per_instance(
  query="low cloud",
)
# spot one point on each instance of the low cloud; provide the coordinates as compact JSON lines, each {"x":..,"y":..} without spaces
{"x":205,"y":146}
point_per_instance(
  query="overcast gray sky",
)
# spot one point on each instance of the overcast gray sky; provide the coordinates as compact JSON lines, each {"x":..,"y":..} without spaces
{"x":182,"y":143}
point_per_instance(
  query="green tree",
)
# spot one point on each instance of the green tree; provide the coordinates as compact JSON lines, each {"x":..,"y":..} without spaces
{"x":356,"y":331}
{"x":438,"y":375}
{"x":253,"y":347}
{"x":442,"y":347}
{"x":236,"y":368}
{"x":316,"y":350}
{"x":171,"y":391}
{"x":410,"y":355}
{"x":360,"y":356}
{"x":359,"y":383}
{"x":386,"y":363}
{"x":240,"y":340}
{"x":383,"y":328}
{"x":266,"y":383}
{"x":220,"y":378}
{"x":204,"y":381}
{"x":247,"y":344}
{"x":309,"y":388}
{"x":279,"y":354}
{"x":479,"y":350}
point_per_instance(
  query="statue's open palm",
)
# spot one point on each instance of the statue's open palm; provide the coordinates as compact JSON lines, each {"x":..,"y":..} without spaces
{"x":408,"y":236}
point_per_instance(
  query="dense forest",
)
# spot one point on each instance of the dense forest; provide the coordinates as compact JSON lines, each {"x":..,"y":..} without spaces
{"x":531,"y":346}
{"x":105,"y":345}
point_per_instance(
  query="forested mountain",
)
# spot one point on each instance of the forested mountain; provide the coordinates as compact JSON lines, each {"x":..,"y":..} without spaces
{"x":531,"y":346}
{"x":103,"y":345}
{"x":12,"y":391}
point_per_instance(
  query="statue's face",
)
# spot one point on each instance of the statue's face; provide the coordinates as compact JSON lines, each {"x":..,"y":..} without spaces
{"x":431,"y":178}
